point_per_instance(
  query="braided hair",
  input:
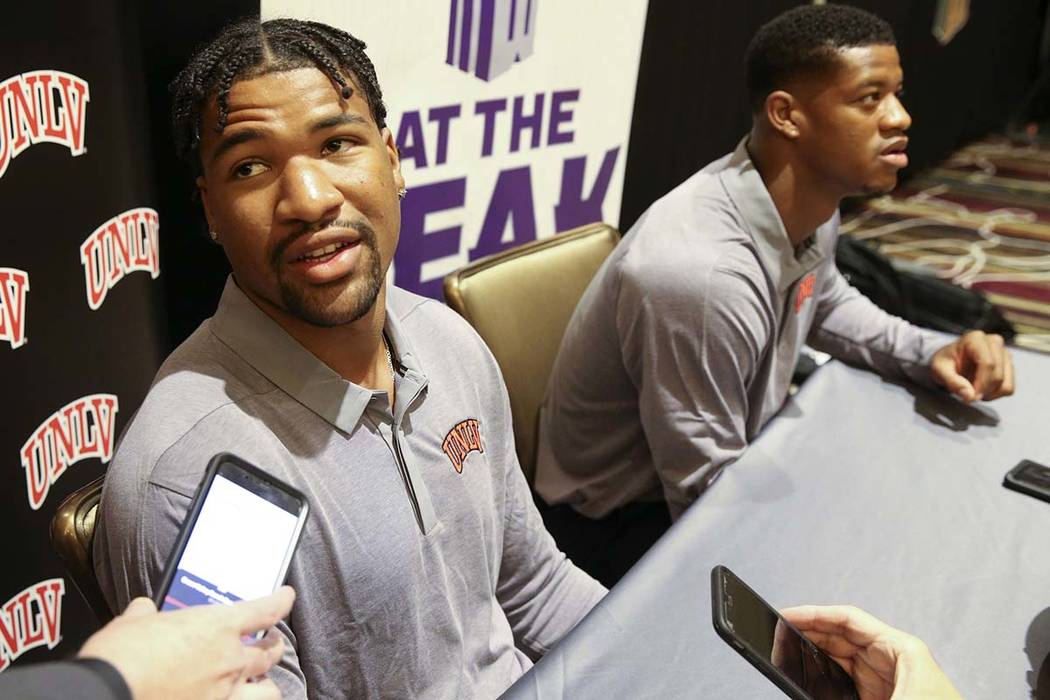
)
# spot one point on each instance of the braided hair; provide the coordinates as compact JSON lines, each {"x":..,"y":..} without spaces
{"x":247,"y":49}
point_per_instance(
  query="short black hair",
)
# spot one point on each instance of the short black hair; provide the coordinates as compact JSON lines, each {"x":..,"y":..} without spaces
{"x":804,"y":40}
{"x":248,"y":49}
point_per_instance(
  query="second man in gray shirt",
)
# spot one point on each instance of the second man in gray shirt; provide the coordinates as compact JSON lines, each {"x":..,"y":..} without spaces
{"x":684,"y":344}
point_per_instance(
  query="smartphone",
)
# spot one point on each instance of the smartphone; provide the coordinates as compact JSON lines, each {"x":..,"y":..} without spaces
{"x":772,"y":645}
{"x":237,"y":540}
{"x":1029,"y":477}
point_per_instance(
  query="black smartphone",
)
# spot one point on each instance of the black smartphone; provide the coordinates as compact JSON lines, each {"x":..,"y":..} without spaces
{"x":772,"y":645}
{"x":237,"y":540}
{"x":1029,"y":477}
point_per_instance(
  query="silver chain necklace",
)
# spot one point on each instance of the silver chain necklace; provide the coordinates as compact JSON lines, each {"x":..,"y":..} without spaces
{"x":389,"y":359}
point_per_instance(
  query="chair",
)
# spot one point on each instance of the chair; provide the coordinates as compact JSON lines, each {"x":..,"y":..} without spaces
{"x":519,"y":301}
{"x":72,"y":530}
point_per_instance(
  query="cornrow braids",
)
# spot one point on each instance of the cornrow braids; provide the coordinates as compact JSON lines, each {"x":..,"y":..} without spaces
{"x":324,"y":63}
{"x":248,"y":49}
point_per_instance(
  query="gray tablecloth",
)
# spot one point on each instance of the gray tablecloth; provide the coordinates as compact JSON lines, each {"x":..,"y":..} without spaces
{"x":860,"y":491}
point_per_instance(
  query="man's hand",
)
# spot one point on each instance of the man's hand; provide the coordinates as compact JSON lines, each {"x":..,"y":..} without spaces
{"x":885,"y":663}
{"x":195,"y":653}
{"x":976,"y":366}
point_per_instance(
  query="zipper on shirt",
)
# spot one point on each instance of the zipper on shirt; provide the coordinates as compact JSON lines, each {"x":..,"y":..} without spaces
{"x":403,"y":468}
{"x":424,"y":513}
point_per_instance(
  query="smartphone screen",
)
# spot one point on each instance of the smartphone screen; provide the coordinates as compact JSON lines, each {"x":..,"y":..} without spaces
{"x":766,"y":639}
{"x":242,"y":531}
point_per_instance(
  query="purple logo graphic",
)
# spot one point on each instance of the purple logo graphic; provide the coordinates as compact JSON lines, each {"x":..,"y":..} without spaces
{"x":487,"y":37}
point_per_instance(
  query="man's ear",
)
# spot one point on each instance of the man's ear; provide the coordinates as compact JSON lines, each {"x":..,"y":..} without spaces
{"x":394,"y":156}
{"x":781,"y":112}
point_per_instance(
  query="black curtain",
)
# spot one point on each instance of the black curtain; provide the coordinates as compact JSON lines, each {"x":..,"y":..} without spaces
{"x":194,"y":267}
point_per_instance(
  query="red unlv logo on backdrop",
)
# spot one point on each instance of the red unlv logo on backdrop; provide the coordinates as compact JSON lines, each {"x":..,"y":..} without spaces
{"x":31,"y":619}
{"x":126,"y":243}
{"x":45,"y":106}
{"x":13,"y":287}
{"x":77,"y":431}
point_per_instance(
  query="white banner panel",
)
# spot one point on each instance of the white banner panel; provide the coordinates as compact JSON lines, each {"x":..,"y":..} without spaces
{"x":512,"y":116}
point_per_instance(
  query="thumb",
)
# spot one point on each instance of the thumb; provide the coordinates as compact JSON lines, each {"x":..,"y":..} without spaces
{"x":262,"y":613}
{"x":945,"y":374}
{"x":138,"y":608}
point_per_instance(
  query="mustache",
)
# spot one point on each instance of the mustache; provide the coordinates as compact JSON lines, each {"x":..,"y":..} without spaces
{"x":364,"y":231}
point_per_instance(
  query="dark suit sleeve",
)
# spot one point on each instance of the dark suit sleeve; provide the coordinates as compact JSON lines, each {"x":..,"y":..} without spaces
{"x":79,"y":679}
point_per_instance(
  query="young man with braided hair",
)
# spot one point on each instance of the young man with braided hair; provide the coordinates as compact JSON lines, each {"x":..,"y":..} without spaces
{"x":683,"y":346}
{"x":424,"y":569}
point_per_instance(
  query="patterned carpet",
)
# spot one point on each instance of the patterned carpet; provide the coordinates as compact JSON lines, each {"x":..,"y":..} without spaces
{"x":981,"y":219}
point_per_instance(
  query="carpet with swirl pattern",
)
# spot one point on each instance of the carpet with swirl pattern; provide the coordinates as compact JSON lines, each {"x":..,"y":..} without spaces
{"x":980,"y":219}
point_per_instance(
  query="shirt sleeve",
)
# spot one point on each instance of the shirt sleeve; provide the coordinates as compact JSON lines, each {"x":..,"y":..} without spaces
{"x":78,"y":679}
{"x":543,"y":594}
{"x":691,"y":344}
{"x":138,"y":536}
{"x":851,"y":327}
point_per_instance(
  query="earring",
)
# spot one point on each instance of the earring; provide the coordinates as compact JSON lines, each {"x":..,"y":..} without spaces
{"x":214,"y":236}
{"x":402,"y":192}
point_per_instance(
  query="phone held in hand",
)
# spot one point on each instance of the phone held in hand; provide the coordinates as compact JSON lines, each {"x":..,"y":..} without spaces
{"x":1030,"y":478}
{"x":237,"y":540}
{"x":772,"y":645}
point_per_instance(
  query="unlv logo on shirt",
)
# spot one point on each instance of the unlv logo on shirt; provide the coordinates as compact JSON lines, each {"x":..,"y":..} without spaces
{"x":45,"y":106}
{"x":31,"y":619}
{"x":464,"y":438}
{"x":77,"y":431}
{"x":805,"y":290}
{"x":13,"y":287}
{"x":126,"y":243}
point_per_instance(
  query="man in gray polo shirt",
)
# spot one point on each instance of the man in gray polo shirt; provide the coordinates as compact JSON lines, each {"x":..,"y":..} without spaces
{"x":684,"y":344}
{"x":424,"y":569}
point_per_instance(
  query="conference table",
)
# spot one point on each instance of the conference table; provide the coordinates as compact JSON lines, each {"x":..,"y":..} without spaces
{"x":863,"y":491}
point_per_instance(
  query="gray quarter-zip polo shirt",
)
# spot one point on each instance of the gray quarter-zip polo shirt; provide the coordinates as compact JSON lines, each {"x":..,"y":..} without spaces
{"x":684,"y":344}
{"x":424,"y":570}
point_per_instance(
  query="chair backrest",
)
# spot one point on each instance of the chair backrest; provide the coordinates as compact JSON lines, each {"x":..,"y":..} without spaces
{"x":520,"y":301}
{"x":72,"y":531}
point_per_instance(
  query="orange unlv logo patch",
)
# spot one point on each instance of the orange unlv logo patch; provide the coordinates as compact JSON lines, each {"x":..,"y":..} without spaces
{"x":464,"y":438}
{"x":805,"y":290}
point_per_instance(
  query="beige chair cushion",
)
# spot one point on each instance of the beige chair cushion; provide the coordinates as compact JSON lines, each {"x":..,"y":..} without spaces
{"x":520,"y":301}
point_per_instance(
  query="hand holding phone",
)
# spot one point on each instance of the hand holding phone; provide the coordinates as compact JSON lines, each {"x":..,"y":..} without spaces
{"x":884,"y":662}
{"x":772,"y":645}
{"x":237,"y":540}
{"x":188,"y":654}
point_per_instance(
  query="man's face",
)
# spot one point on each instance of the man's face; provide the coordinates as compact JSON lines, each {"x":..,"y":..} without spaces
{"x":852,"y":124}
{"x":301,"y":188}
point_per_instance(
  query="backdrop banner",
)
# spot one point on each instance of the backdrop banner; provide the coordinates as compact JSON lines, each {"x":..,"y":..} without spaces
{"x":80,"y":275}
{"x":512,"y":117}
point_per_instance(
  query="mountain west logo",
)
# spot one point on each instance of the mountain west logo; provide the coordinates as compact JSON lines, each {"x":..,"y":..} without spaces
{"x":31,"y":619}
{"x":45,"y":106}
{"x":464,"y":438}
{"x":13,"y":287}
{"x":487,"y":37}
{"x":126,"y":243}
{"x":77,"y":431}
